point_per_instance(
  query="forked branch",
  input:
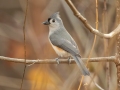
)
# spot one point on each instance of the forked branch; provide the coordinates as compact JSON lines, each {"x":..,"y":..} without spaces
{"x":88,"y":26}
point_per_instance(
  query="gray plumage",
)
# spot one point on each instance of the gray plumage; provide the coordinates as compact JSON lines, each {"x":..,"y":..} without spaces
{"x":65,"y":42}
{"x":59,"y":37}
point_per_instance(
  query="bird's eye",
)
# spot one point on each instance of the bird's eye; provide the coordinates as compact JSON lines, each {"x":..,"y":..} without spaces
{"x":53,"y":20}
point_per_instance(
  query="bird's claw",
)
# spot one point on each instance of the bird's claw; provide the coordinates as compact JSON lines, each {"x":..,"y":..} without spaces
{"x":69,"y":60}
{"x":57,"y":60}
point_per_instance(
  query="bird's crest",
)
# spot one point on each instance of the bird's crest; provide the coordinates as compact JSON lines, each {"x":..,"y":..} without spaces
{"x":55,"y":15}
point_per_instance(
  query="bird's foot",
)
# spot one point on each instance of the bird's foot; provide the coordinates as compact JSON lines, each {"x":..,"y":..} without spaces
{"x":57,"y":60}
{"x":69,"y":59}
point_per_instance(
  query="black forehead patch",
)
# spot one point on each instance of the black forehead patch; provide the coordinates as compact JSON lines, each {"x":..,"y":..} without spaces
{"x":49,"y":19}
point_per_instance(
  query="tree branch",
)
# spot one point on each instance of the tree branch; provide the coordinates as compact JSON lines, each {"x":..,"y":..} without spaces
{"x":88,"y":26}
{"x":53,"y":61}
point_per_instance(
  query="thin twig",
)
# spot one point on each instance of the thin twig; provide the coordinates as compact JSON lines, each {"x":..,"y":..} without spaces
{"x":88,"y":26}
{"x":92,"y":79}
{"x":82,"y":78}
{"x":92,"y":44}
{"x":24,"y":44}
{"x":53,"y":61}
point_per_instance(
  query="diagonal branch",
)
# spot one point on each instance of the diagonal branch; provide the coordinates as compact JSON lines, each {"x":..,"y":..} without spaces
{"x":88,"y":26}
{"x":53,"y":61}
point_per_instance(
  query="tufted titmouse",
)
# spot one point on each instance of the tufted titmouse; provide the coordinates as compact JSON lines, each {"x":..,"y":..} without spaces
{"x":62,"y":42}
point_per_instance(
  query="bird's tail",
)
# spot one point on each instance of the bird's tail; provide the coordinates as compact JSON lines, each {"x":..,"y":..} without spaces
{"x":81,"y":65}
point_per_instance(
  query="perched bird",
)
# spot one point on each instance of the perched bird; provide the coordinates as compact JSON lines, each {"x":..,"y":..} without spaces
{"x":62,"y":42}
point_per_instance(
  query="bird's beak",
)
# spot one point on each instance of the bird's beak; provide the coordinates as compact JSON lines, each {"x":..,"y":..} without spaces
{"x":46,"y":23}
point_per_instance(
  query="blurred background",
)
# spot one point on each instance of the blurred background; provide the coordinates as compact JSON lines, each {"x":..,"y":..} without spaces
{"x":53,"y":76}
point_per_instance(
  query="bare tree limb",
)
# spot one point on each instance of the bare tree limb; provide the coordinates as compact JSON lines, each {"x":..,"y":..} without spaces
{"x":88,"y":26}
{"x":53,"y":61}
{"x":117,"y":62}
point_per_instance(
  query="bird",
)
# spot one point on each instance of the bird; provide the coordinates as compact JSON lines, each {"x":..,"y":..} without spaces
{"x":63,"y":43}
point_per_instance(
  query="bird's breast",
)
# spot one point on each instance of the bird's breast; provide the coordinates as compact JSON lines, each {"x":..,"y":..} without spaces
{"x":59,"y":51}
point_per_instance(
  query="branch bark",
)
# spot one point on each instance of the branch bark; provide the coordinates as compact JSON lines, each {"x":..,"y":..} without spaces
{"x":53,"y":61}
{"x":117,"y":61}
{"x":88,"y":26}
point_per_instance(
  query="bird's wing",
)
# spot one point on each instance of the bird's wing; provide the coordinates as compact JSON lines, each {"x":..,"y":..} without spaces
{"x":65,"y":45}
